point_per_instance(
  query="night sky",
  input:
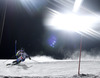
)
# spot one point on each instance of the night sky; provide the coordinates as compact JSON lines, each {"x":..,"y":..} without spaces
{"x":27,"y":27}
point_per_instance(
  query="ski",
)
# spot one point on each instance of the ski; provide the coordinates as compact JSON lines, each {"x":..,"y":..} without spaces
{"x":9,"y":64}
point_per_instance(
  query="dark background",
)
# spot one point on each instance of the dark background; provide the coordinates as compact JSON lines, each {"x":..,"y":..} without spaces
{"x":31,"y":34}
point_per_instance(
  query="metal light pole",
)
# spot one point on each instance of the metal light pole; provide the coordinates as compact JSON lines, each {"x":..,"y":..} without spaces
{"x":80,"y":55}
{"x":3,"y":22}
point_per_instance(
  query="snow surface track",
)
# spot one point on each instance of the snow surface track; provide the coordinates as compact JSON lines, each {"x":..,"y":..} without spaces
{"x":51,"y":69}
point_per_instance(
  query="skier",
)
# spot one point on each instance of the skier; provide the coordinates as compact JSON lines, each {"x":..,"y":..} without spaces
{"x":21,"y":56}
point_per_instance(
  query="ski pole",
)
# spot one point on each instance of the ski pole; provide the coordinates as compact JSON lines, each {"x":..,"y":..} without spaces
{"x":15,"y":47}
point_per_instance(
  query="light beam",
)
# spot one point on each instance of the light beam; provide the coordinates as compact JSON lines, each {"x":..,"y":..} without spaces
{"x":77,"y":5}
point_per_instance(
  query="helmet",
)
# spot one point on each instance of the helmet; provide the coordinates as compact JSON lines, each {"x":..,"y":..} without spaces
{"x":22,"y":50}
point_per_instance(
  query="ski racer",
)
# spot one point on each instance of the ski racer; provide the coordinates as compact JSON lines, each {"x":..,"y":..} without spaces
{"x":21,"y":56}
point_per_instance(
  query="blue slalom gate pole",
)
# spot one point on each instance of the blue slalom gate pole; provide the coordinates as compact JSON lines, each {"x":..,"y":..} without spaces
{"x":15,"y":47}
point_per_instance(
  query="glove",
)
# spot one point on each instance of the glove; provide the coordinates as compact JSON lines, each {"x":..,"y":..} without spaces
{"x":29,"y":58}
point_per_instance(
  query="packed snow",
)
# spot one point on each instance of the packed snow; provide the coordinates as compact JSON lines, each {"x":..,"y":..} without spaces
{"x":47,"y":67}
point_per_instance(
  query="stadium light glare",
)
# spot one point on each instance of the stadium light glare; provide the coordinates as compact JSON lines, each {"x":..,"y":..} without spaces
{"x":71,"y":22}
{"x":33,"y":6}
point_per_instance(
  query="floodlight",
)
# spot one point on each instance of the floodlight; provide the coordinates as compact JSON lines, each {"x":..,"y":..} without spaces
{"x":71,"y":22}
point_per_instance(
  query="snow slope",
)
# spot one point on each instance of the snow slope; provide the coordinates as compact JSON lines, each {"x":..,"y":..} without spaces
{"x":47,"y":69}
